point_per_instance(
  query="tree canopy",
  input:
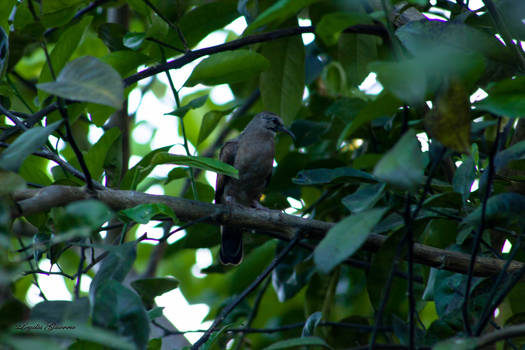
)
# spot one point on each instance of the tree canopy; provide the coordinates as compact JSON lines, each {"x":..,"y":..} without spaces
{"x":396,"y":214}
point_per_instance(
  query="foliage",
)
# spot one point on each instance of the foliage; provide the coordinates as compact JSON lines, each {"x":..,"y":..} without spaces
{"x":424,"y":166}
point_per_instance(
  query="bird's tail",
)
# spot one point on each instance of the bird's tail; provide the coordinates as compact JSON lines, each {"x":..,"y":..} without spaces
{"x":231,"y":245}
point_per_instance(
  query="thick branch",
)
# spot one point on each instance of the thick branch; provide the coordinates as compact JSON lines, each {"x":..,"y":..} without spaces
{"x":31,"y":201}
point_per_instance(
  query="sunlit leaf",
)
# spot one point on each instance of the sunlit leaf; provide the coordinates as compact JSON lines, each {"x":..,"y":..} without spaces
{"x":88,"y":79}
{"x":27,"y":143}
{"x":403,"y":165}
{"x":193,"y":104}
{"x":506,"y":98}
{"x":332,"y":24}
{"x":203,"y":163}
{"x":282,"y":85}
{"x":228,"y":67}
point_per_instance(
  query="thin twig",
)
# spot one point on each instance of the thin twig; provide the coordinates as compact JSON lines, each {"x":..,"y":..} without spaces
{"x":226,"y":311}
{"x":475,"y":248}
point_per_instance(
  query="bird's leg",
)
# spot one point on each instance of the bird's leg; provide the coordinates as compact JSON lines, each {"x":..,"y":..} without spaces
{"x":258,"y":206}
{"x":229,"y":200}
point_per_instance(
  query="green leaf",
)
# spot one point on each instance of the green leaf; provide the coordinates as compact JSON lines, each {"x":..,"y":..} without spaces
{"x":464,"y":177}
{"x":384,"y":105}
{"x":203,"y":163}
{"x":323,"y":176}
{"x":63,"y":50}
{"x":60,"y":312}
{"x":457,"y":344}
{"x":141,"y":170}
{"x":282,"y":85}
{"x":30,"y":141}
{"x":97,"y":154}
{"x":295,"y":342}
{"x":193,"y":104}
{"x":504,"y":209}
{"x":204,"y":19}
{"x":364,"y":198}
{"x":345,"y":238}
{"x":278,"y":13}
{"x":332,"y":25}
{"x":228,"y":67}
{"x":311,"y":323}
{"x":10,"y":181}
{"x":209,"y":122}
{"x":403,"y":165}
{"x":514,"y":152}
{"x":112,"y":35}
{"x":404,"y":79}
{"x":115,"y":306}
{"x":133,"y":40}
{"x":506,"y":98}
{"x":449,"y":121}
{"x":149,"y":288}
{"x":115,"y":266}
{"x":88,"y":79}
{"x":143,"y":213}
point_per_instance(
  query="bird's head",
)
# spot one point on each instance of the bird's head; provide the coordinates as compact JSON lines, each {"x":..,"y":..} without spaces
{"x":271,"y":122}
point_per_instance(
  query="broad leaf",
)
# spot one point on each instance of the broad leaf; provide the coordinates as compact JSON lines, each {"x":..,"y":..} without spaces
{"x":332,"y":24}
{"x":364,"y":198}
{"x":506,"y":98}
{"x":282,"y":85}
{"x":228,"y":67}
{"x":63,"y":50}
{"x":278,"y":13}
{"x":193,"y":104}
{"x":384,"y":105}
{"x":88,"y":79}
{"x":143,"y":213}
{"x":323,"y":176}
{"x":403,"y":165}
{"x":203,"y":163}
{"x":449,"y":121}
{"x":502,"y":209}
{"x":345,"y":238}
{"x":464,"y":177}
{"x":209,"y":122}
{"x":311,"y":323}
{"x":30,"y":141}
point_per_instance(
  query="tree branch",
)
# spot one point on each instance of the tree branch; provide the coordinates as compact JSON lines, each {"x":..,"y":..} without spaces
{"x":31,"y":201}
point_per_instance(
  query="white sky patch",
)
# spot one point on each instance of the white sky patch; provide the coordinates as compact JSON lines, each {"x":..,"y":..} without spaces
{"x":221,"y":94}
{"x":478,"y":95}
{"x":307,"y":37}
{"x":85,"y":283}
{"x":155,"y":189}
{"x":53,"y":286}
{"x":306,"y":93}
{"x":183,"y":316}
{"x":475,"y":185}
{"x":203,"y":259}
{"x":507,"y":246}
{"x":496,"y":312}
{"x":133,"y":160}
{"x":134,"y":100}
{"x":423,"y":141}
{"x":237,"y":26}
{"x":370,"y":85}
{"x":151,"y":230}
{"x":94,"y":133}
{"x":475,"y":4}
{"x":142,"y":133}
{"x":211,"y":177}
{"x":176,"y":236}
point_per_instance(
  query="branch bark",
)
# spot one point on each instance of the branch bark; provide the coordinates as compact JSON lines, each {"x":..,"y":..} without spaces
{"x":31,"y":201}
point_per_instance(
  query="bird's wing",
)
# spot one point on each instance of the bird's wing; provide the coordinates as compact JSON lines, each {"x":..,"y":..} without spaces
{"x":227,"y":155}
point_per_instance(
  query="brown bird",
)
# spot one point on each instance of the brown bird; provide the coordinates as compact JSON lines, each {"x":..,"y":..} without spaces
{"x":252,"y":153}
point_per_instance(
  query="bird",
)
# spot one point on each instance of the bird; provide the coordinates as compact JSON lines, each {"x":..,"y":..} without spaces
{"x":252,"y":154}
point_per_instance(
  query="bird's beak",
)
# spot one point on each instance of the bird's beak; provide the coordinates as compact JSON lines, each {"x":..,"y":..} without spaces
{"x":283,"y":129}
